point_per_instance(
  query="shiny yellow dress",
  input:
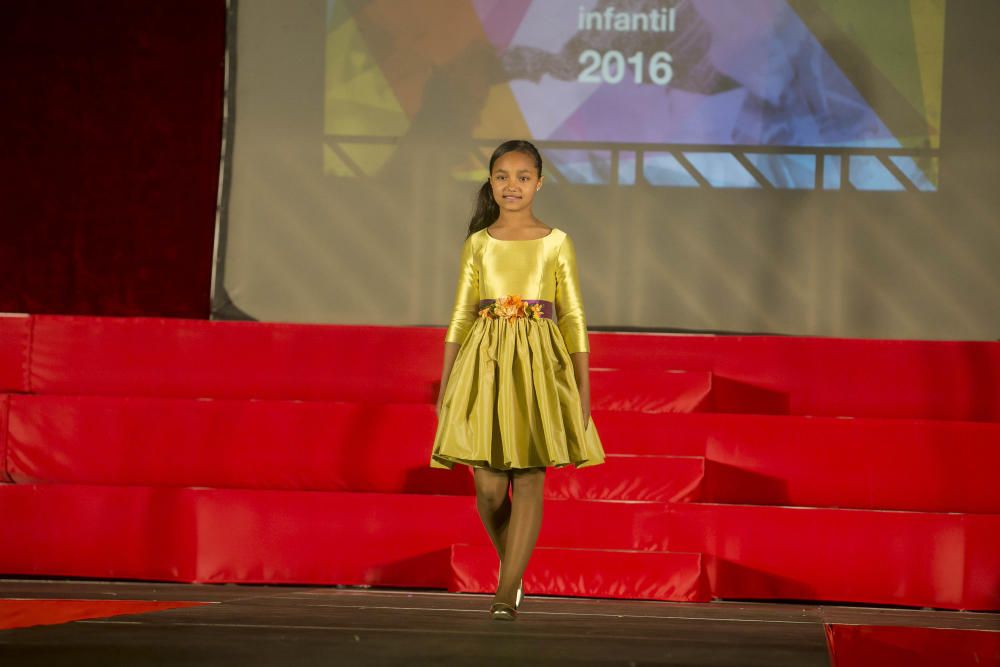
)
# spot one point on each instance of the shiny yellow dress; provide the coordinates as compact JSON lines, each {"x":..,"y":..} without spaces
{"x":511,"y":400}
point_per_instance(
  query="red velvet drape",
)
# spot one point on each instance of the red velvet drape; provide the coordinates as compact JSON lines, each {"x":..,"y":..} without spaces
{"x":111,"y":125}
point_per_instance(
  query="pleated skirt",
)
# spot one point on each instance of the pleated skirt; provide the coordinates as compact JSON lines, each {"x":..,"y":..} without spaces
{"x":512,"y":401}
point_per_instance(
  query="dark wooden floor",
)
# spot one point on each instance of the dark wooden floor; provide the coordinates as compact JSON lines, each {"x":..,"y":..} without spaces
{"x":273,"y":625}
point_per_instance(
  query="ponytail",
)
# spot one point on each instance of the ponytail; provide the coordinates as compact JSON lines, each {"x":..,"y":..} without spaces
{"x":487,"y":209}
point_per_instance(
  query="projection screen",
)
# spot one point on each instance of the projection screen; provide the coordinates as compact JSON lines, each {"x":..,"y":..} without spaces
{"x":770,"y":166}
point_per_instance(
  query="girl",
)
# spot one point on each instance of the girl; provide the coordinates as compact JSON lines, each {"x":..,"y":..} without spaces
{"x":515,"y":389}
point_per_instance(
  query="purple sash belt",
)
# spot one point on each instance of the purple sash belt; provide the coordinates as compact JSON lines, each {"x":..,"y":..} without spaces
{"x":507,"y":308}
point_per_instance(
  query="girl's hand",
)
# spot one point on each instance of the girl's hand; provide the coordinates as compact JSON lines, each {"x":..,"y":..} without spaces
{"x":586,"y":416}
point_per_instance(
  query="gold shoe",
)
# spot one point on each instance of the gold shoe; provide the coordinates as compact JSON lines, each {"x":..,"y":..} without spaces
{"x":501,"y":611}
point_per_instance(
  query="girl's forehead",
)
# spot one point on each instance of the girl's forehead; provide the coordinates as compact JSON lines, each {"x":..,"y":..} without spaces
{"x":514,"y":161}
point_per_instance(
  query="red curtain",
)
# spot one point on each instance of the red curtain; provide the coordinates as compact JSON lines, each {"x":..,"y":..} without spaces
{"x":111,"y":128}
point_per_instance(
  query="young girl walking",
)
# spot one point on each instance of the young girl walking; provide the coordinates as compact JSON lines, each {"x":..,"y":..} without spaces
{"x":515,"y":386}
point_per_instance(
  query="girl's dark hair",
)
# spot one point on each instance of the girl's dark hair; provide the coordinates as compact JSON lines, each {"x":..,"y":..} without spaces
{"x":487,"y":209}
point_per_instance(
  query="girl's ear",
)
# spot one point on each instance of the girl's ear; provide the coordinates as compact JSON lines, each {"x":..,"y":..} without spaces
{"x":539,"y":186}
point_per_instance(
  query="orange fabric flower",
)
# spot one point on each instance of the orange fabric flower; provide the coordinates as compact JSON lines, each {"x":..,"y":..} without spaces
{"x":512,"y":307}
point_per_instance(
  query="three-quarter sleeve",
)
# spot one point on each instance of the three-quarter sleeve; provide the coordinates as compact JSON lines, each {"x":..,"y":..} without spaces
{"x":569,"y":300}
{"x":466,"y":297}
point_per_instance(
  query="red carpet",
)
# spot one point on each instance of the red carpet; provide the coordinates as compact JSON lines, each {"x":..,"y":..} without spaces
{"x":26,"y":613}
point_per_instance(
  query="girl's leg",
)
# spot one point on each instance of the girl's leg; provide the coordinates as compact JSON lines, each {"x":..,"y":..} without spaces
{"x":522,"y":533}
{"x":494,"y":505}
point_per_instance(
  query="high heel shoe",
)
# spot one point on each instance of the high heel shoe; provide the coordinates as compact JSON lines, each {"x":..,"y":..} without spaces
{"x":501,"y":611}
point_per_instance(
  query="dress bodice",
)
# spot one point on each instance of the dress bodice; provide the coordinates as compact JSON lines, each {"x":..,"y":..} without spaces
{"x":543,"y":268}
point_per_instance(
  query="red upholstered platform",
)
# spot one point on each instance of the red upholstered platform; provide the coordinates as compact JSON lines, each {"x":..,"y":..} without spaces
{"x":739,"y":467}
{"x":637,"y":575}
{"x":766,"y":460}
{"x":652,"y":390}
{"x":168,"y":357}
{"x":258,"y":536}
{"x":869,"y":556}
{"x":879,"y":646}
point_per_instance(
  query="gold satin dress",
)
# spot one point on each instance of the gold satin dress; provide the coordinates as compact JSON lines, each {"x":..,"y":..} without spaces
{"x":512,"y":400}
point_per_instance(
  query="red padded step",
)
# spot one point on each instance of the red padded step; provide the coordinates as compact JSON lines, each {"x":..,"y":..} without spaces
{"x":921,"y":465}
{"x":637,"y":575}
{"x":875,"y":557}
{"x":252,"y":536}
{"x":654,"y":390}
{"x":213,"y":535}
{"x":637,"y":433}
{"x":648,"y":478}
{"x":183,"y":358}
{"x":312,"y":445}
{"x":4,"y":437}
{"x":293,"y":445}
{"x":197,"y":358}
{"x":819,"y":376}
{"x":858,"y":463}
{"x":601,"y":524}
{"x":101,"y":532}
{"x":830,"y":376}
{"x":15,"y":346}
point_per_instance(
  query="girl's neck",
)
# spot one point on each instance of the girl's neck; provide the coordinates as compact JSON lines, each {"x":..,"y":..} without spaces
{"x":518,"y":219}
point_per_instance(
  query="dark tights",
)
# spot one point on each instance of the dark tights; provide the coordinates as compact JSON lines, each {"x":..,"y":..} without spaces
{"x":512,"y":521}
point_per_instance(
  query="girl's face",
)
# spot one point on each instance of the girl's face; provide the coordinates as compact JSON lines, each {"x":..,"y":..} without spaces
{"x":515,"y":181}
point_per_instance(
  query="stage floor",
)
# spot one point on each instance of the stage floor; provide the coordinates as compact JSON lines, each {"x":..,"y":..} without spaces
{"x":285,"y":625}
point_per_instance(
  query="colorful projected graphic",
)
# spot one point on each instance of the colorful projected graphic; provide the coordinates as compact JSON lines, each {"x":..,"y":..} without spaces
{"x":808,"y":94}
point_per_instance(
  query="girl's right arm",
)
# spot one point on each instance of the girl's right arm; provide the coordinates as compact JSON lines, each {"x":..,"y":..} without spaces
{"x":450,"y":352}
{"x":463,"y":313}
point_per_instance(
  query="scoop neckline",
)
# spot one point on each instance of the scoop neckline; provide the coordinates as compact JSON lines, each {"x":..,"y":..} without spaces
{"x":486,"y":229}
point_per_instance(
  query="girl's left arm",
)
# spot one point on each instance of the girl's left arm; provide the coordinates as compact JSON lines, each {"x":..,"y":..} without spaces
{"x":569,"y":300}
{"x":573,"y":322}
